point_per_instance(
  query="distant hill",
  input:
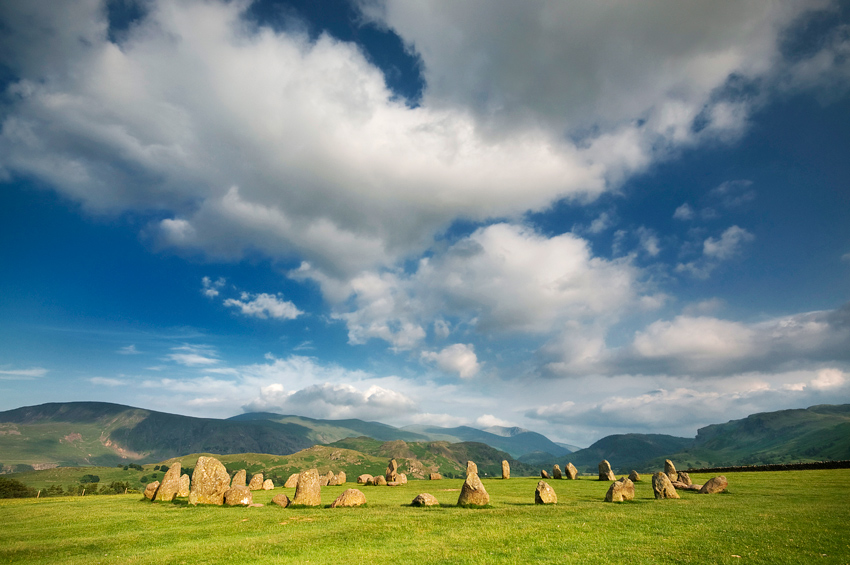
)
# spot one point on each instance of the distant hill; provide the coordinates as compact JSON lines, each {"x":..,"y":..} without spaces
{"x":515,"y":441}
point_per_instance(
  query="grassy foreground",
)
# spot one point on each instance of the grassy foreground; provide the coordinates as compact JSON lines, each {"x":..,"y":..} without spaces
{"x":780,"y":517}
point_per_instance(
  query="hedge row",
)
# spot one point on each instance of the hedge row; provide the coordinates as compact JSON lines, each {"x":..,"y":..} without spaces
{"x":845,"y":464}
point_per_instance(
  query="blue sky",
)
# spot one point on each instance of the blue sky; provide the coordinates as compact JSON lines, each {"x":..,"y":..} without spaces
{"x":583,"y":219}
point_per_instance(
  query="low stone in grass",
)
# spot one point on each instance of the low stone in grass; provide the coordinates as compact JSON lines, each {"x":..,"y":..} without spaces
{"x":471,"y":468}
{"x":545,"y":494}
{"x":292,"y":481}
{"x":238,"y":496}
{"x":169,"y":486}
{"x":281,"y":500}
{"x":670,"y":470}
{"x":308,"y":492}
{"x":435,"y":477}
{"x":364,"y":479}
{"x":349,"y":497}
{"x":256,"y":482}
{"x":379,"y":481}
{"x":544,"y":474}
{"x":570,"y":472}
{"x":605,"y":472}
{"x":556,"y":472}
{"x":240,"y":478}
{"x":185,"y":483}
{"x":715,"y":485}
{"x":506,"y":469}
{"x":210,"y":481}
{"x":473,"y":493}
{"x":620,"y":490}
{"x":425,"y":499}
{"x":634,"y":476}
{"x":684,"y":478}
{"x":662,"y":487}
{"x":268,"y":484}
{"x":150,"y":490}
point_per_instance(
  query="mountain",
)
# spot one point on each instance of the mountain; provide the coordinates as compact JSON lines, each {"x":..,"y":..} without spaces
{"x":629,"y":451}
{"x":329,"y":431}
{"x":516,"y":441}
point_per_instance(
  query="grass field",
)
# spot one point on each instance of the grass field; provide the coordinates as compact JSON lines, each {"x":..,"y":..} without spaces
{"x":782,"y":517}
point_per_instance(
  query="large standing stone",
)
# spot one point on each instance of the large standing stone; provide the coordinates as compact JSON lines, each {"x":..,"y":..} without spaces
{"x":605,"y":472}
{"x":670,"y":470}
{"x":292,"y":481}
{"x":324,"y":480}
{"x":544,"y":474}
{"x":715,"y":485}
{"x":308,"y":492}
{"x":435,"y":477}
{"x":544,"y":494}
{"x":471,"y":468}
{"x":473,"y":493}
{"x":556,"y":472}
{"x":185,"y":483}
{"x":364,"y":479}
{"x":684,"y":478}
{"x":341,"y":478}
{"x":238,"y":496}
{"x":620,"y":490}
{"x":210,"y":481}
{"x":506,"y":469}
{"x":150,"y":490}
{"x":662,"y":487}
{"x":425,"y":499}
{"x":170,"y":485}
{"x":349,"y":497}
{"x":281,"y":500}
{"x":240,"y":478}
{"x":392,"y":471}
{"x":268,"y":484}
{"x":256,"y":482}
{"x":634,"y":476}
{"x":570,"y":471}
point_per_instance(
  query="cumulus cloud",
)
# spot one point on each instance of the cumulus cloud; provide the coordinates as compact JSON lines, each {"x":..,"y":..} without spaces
{"x":333,"y":401}
{"x":210,"y":288}
{"x":730,"y":244}
{"x":264,"y":306}
{"x":459,"y":358}
{"x":684,"y":212}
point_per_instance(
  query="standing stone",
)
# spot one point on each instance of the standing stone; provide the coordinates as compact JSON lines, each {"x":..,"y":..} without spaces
{"x":341,"y":478}
{"x":238,"y":496}
{"x":570,"y":471}
{"x":210,"y":481}
{"x":471,"y":468}
{"x":268,"y":484}
{"x":435,"y":477}
{"x":256,"y":482}
{"x":473,"y":493}
{"x":544,"y":494}
{"x":556,"y":472}
{"x":350,"y":497}
{"x":544,"y":474}
{"x":634,"y":476}
{"x":379,"y":481}
{"x":670,"y":470}
{"x":715,"y":485}
{"x":506,"y":469}
{"x":425,"y":499}
{"x":391,"y":475}
{"x":239,"y":478}
{"x":684,"y":478}
{"x":364,"y":479}
{"x":281,"y":500}
{"x":170,"y":484}
{"x":150,"y":490}
{"x":183,"y":491}
{"x":623,"y":489}
{"x":662,"y":487}
{"x":402,"y":479}
{"x":605,"y":472}
{"x":292,"y":481}
{"x":308,"y":492}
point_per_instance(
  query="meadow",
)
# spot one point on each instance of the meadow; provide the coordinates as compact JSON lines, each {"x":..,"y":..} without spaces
{"x":764,"y":517}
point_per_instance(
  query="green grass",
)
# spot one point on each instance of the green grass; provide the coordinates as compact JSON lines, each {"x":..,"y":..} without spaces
{"x":781,"y":517}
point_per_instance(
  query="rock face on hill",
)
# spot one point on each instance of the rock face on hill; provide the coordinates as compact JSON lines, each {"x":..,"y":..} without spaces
{"x":308,"y":492}
{"x":473,"y":493}
{"x":170,"y":485}
{"x":210,"y":481}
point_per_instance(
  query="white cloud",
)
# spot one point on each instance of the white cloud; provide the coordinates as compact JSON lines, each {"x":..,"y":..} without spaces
{"x":211,"y":289}
{"x":489,"y":420}
{"x":264,"y":306}
{"x":129,"y":350}
{"x":728,"y":245}
{"x":193,"y":355}
{"x":828,"y":379}
{"x":22,"y":374}
{"x":684,"y":212}
{"x":459,"y":358}
{"x":107,"y":382}
{"x":699,"y":339}
{"x":332,"y":401}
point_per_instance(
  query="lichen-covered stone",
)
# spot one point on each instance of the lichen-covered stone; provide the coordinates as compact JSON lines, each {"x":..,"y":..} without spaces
{"x":292,"y":481}
{"x":471,"y":468}
{"x":364,"y":479}
{"x":240,"y":478}
{"x":544,"y":474}
{"x":662,"y":487}
{"x":556,"y":472}
{"x":605,"y":472}
{"x":670,"y":470}
{"x":684,"y":478}
{"x":634,"y":476}
{"x":620,"y":490}
{"x":170,"y":484}
{"x":379,"y":481}
{"x":256,"y":482}
{"x":185,"y":484}
{"x":435,"y":477}
{"x":473,"y":492}
{"x":281,"y":500}
{"x":238,"y":496}
{"x":506,"y":469}
{"x":349,"y":497}
{"x":545,"y":494}
{"x":391,"y":474}
{"x":425,"y":499}
{"x":210,"y":481}
{"x":150,"y":490}
{"x":308,"y":492}
{"x":570,"y":471}
{"x":268,"y":484}
{"x":715,"y":485}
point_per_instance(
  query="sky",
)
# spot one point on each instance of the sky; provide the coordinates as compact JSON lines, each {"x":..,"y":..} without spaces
{"x":581,"y":218}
